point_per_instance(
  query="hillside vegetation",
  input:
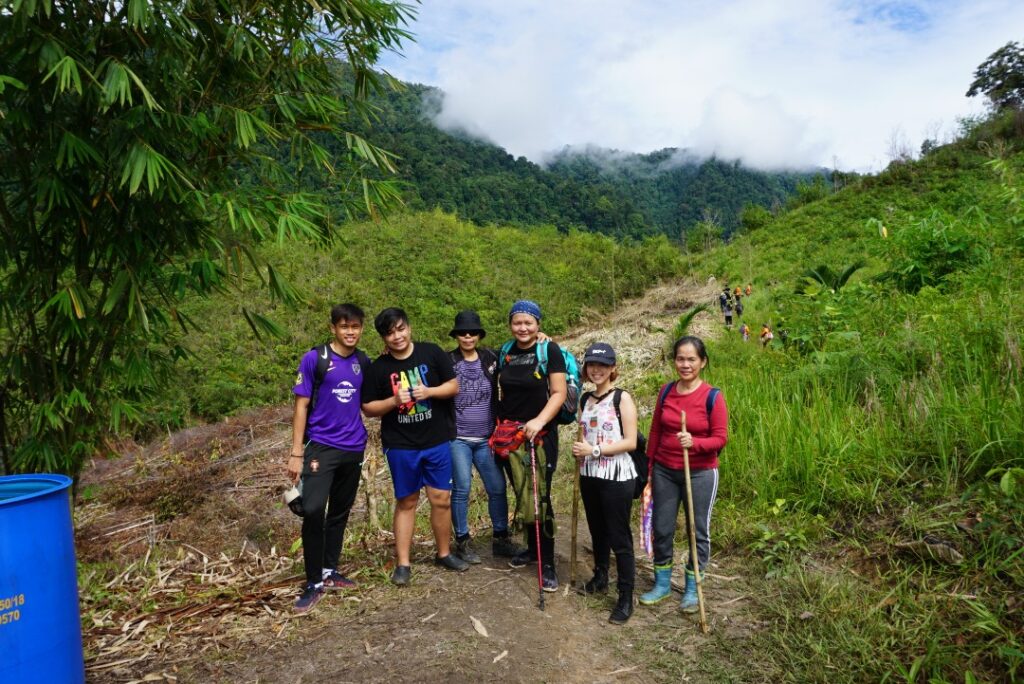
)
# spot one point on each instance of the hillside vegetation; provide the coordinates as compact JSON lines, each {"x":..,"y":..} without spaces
{"x":606,"y":191}
{"x":431,"y":264}
{"x":875,"y":460}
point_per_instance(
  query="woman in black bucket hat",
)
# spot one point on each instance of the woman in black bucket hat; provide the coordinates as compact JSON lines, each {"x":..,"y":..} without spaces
{"x":475,"y":367}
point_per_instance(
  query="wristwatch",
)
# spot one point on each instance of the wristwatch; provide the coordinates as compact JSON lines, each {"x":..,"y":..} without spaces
{"x":596,"y":452}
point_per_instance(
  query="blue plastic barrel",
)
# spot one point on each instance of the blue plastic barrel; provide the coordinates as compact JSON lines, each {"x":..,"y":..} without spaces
{"x":40,"y":632}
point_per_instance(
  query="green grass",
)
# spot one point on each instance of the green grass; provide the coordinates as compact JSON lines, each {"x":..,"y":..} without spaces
{"x":891,"y":414}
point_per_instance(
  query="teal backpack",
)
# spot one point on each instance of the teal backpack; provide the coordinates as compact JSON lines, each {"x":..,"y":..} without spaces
{"x":573,"y":379}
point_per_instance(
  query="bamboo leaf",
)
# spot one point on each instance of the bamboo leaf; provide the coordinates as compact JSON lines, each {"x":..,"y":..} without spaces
{"x":117,"y":289}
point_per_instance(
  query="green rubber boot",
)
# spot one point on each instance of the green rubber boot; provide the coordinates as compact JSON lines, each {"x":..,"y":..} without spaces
{"x":662,"y":585}
{"x":689,"y":602}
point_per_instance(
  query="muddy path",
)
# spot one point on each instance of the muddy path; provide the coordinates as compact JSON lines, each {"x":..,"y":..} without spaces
{"x":190,"y":569}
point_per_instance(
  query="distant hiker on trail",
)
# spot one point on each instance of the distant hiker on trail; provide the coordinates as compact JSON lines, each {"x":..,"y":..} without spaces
{"x":745,"y":331}
{"x":607,"y":475}
{"x":411,"y":388}
{"x":532,"y":389}
{"x":749,"y":289}
{"x":475,"y":407}
{"x":739,"y":306}
{"x":328,"y":441}
{"x":766,"y":335}
{"x":725,"y":303}
{"x":704,"y":435}
{"x":737,"y":292}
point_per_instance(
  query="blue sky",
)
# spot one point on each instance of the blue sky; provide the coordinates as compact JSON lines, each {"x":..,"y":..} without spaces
{"x":776,"y":84}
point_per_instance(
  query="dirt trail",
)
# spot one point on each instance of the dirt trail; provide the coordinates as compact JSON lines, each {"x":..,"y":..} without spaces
{"x":205,"y":492}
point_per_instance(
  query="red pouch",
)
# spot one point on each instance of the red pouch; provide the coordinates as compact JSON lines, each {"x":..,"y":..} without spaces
{"x":508,"y":436}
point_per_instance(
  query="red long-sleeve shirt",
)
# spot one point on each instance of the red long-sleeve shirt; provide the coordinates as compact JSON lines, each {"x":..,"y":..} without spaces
{"x":663,"y":445}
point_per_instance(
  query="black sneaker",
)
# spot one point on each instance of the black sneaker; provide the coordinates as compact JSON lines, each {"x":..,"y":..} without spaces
{"x":464,"y":550}
{"x":504,"y":547}
{"x":452,"y":562}
{"x":401,"y":576}
{"x":549,"y":580}
{"x":522,"y":559}
{"x":311,"y":596}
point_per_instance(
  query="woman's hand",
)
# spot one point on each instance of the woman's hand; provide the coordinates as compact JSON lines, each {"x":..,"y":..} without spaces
{"x":581,"y":450}
{"x":685,"y":439}
{"x":533,"y":428}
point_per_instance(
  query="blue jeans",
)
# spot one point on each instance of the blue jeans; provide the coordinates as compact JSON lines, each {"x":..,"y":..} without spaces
{"x":465,"y":455}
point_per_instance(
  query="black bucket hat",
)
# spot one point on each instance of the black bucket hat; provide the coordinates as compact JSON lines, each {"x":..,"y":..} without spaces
{"x":468,"y":321}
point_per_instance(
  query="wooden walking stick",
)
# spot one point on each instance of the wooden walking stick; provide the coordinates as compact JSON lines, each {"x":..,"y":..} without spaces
{"x":693,"y":530}
{"x":575,"y":520}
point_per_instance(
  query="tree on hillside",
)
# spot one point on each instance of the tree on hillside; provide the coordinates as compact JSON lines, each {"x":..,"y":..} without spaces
{"x":141,"y":157}
{"x":1001,"y":77}
{"x":705,"y":234}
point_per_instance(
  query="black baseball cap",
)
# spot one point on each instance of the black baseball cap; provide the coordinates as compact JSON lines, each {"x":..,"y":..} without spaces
{"x":600,"y":352}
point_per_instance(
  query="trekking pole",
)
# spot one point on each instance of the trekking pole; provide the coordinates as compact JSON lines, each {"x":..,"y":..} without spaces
{"x":536,"y":520}
{"x":575,"y":520}
{"x":693,"y":531}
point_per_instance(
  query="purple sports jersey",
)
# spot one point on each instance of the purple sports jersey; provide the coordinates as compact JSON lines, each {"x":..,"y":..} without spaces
{"x":336,"y":420}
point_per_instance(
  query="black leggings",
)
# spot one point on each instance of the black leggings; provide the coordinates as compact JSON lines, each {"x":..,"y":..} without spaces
{"x":330,"y":479}
{"x":608,"y":505}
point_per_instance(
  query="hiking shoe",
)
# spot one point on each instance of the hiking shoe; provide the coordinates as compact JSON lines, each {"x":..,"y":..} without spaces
{"x":336,"y":580}
{"x":464,"y":550}
{"x":311,"y":596}
{"x":623,"y":608}
{"x":549,"y":580}
{"x":504,"y":547}
{"x":522,"y":559}
{"x":401,"y":576}
{"x":452,"y":562}
{"x":598,"y":584}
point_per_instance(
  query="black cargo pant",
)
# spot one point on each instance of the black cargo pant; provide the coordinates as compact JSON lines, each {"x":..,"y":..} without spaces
{"x":330,"y":479}
{"x":607,"y":504}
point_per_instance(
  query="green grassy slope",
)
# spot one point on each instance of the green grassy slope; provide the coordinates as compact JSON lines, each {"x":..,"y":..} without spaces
{"x":890,"y":419}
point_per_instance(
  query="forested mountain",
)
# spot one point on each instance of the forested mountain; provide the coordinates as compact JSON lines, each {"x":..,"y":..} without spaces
{"x":615,"y":193}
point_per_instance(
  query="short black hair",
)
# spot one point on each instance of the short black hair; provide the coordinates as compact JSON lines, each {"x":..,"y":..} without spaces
{"x":387,"y":319}
{"x":346,"y":312}
{"x":698,"y":345}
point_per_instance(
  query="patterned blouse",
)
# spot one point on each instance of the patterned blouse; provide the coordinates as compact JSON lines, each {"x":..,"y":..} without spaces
{"x":599,"y":425}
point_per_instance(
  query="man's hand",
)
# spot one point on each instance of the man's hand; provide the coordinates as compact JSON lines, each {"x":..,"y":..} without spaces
{"x":294,"y":468}
{"x":420,"y":392}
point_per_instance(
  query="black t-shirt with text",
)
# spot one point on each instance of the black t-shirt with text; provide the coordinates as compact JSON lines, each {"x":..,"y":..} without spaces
{"x":418,"y":424}
{"x":523,"y":388}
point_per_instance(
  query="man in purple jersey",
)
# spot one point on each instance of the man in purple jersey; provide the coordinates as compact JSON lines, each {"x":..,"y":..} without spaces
{"x":327,"y":449}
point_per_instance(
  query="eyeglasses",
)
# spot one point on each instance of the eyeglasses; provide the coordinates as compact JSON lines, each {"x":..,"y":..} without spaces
{"x":468,"y":333}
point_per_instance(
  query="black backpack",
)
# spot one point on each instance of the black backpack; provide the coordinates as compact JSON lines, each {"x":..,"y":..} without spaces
{"x":639,"y":453}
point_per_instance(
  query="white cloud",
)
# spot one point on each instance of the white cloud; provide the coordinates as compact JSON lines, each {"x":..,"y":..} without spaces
{"x":777,"y":84}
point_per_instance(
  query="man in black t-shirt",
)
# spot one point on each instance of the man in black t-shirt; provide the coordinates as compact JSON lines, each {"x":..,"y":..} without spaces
{"x":411,"y":388}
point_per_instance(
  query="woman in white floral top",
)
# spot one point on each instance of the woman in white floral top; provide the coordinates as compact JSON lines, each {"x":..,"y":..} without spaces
{"x":607,"y":476}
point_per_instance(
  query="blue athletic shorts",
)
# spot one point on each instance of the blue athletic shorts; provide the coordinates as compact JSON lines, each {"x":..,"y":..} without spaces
{"x":411,"y":469}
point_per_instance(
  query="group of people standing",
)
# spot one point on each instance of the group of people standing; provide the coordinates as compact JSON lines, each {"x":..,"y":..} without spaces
{"x":445,"y":413}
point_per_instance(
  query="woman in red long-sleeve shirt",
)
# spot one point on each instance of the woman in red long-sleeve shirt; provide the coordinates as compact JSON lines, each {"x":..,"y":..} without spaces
{"x":705,"y":434}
